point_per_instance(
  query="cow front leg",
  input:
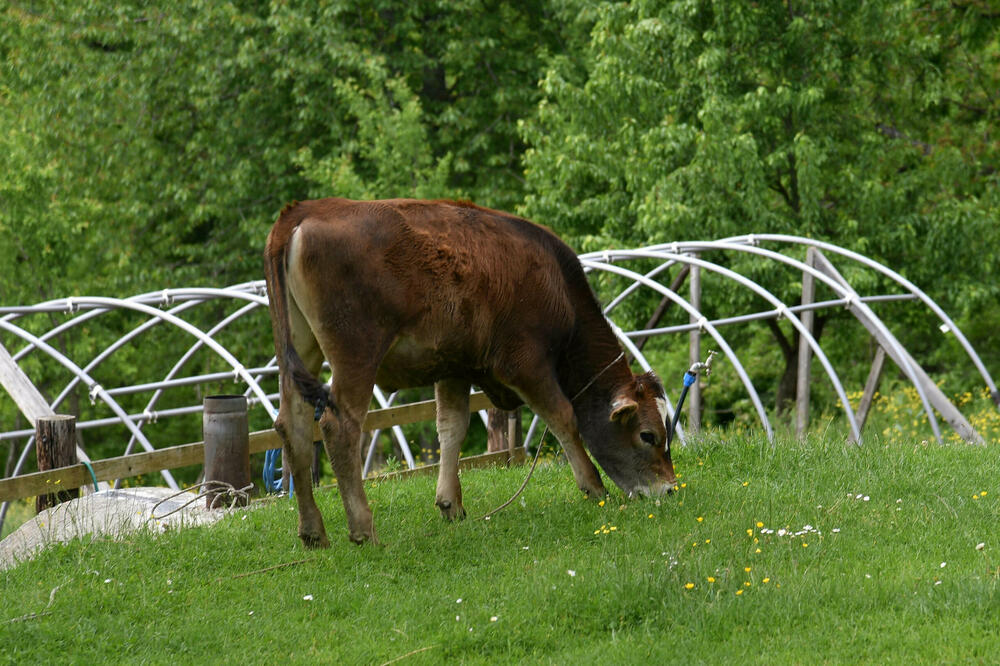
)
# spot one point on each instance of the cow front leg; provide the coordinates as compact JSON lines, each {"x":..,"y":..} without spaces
{"x":452,"y":397}
{"x":548,"y":401}
{"x":588,"y":479}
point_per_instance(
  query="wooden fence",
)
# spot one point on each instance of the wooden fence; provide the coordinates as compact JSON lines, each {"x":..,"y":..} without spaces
{"x":75,"y":476}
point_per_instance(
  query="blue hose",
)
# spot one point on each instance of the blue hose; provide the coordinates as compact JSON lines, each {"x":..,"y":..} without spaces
{"x":272,"y":473}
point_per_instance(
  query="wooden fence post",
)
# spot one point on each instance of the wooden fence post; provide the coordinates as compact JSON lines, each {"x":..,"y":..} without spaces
{"x":55,"y":446}
{"x":504,"y":432}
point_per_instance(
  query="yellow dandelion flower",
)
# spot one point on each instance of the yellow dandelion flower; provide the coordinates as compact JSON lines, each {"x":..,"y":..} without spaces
{"x":983,"y":493}
{"x":689,"y":586}
{"x":760,"y":524}
{"x":684,"y":485}
{"x":805,"y":545}
{"x":766,"y":580}
{"x":739,"y":592}
{"x":746,"y":483}
{"x":699,"y":519}
{"x":749,"y":532}
{"x":708,"y":541}
{"x":613,"y":528}
{"x":747,"y":569}
{"x":650,"y":516}
{"x":710,"y":579}
{"x":757,"y":551}
{"x":601,"y":503}
{"x":746,"y":583}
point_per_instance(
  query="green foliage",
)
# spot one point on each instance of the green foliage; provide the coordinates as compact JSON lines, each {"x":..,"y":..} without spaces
{"x":726,"y":569}
{"x":867,"y":125}
{"x":157,"y":143}
{"x":152,"y":144}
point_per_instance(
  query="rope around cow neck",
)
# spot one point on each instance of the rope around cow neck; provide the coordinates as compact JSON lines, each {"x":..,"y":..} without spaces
{"x":541,"y":441}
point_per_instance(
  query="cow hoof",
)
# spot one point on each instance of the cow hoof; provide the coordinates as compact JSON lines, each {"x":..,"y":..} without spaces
{"x":314,"y":541}
{"x":598,"y":493}
{"x":361,"y":539}
{"x":451,"y":510}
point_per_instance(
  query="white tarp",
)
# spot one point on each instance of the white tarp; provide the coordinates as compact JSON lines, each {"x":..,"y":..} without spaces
{"x":108,"y":513}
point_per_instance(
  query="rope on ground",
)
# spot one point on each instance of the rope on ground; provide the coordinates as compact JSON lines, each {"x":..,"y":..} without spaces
{"x":220,"y":488}
{"x":41,"y":613}
{"x":409,"y":654}
{"x":524,"y":485}
{"x":271,"y":568}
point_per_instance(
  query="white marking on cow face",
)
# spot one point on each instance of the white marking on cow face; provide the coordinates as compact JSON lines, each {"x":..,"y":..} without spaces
{"x":661,"y":405}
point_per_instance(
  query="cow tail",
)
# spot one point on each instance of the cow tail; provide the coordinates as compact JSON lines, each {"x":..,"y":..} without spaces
{"x":313,"y":391}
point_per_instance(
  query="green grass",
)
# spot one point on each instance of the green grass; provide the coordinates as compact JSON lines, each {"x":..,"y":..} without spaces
{"x":558,"y":579}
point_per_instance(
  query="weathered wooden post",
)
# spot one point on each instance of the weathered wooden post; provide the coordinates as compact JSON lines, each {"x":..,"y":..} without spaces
{"x":871,"y":387}
{"x":55,"y":446}
{"x":226,"y":431}
{"x":504,"y":430}
{"x":694,"y":355}
{"x":805,"y":352}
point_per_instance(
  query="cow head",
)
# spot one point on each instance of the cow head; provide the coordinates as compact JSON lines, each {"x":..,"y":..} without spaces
{"x":629,"y":440}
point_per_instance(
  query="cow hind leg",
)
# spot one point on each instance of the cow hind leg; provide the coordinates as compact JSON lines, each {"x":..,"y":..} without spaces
{"x":295,"y":426}
{"x":342,"y":438}
{"x":452,"y":424}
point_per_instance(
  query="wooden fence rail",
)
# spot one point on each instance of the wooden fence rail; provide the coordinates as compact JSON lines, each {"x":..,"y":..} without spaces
{"x":121,"y":467}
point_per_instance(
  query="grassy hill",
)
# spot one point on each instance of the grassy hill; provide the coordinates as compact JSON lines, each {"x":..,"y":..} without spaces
{"x":807,"y":552}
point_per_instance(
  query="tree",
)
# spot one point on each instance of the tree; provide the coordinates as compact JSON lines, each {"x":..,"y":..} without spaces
{"x":868,"y":125}
{"x":152,"y":145}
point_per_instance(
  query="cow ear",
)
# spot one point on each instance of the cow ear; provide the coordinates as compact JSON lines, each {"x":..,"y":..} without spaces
{"x":622,"y":408}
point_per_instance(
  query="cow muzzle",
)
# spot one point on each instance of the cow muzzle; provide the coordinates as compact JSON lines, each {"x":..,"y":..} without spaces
{"x":655,"y":489}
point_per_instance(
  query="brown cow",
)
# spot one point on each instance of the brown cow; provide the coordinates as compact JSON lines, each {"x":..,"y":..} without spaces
{"x":411,"y":293}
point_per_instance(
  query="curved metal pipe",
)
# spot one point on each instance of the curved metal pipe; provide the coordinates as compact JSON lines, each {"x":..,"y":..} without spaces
{"x":781,"y":308}
{"x":712,"y":331}
{"x":846,"y":293}
{"x":899,"y":279}
{"x":96,"y":389}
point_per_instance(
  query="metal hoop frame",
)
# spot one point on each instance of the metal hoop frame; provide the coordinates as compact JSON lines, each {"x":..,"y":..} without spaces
{"x":170,"y":306}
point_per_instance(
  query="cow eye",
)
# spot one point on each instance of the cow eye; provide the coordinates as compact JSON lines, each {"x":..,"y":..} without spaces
{"x":648,"y":437}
